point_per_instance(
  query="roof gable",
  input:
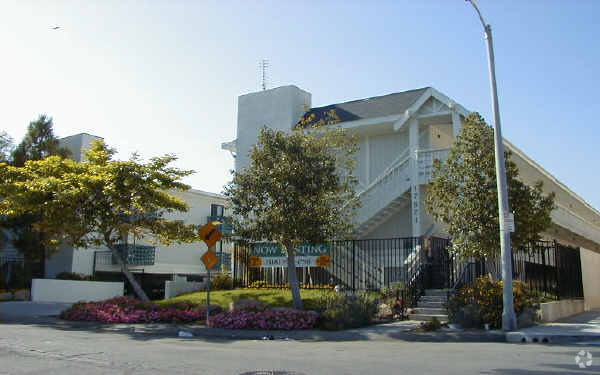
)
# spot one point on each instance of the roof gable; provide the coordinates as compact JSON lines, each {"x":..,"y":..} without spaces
{"x":378,"y":106}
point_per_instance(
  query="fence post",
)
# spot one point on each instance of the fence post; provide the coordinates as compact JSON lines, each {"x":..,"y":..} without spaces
{"x":557,"y":265}
{"x":233,"y":262}
{"x":353,"y":266}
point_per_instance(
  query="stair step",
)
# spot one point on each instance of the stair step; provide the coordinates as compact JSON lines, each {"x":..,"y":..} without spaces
{"x":436,"y":305}
{"x":429,"y":310}
{"x":433,"y":298}
{"x":437,"y":292}
{"x":427,"y":317}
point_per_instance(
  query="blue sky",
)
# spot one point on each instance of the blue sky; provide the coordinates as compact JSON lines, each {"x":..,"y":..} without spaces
{"x":164,"y":76}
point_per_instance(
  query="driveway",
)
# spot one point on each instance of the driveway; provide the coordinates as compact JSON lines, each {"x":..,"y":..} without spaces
{"x":26,"y":310}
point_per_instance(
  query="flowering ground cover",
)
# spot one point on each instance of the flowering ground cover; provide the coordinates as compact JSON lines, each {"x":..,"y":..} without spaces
{"x":130,"y":310}
{"x":267,"y":319}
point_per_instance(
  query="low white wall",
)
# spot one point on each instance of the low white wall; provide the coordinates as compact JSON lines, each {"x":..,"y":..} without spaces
{"x":590,"y":265}
{"x":552,"y":311}
{"x":48,"y":290}
{"x":176,"y":288}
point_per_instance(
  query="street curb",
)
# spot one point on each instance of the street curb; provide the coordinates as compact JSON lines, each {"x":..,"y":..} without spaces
{"x":540,"y":338}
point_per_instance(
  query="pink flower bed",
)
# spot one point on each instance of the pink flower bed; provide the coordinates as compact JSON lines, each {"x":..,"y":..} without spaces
{"x":267,"y":319}
{"x":130,"y":310}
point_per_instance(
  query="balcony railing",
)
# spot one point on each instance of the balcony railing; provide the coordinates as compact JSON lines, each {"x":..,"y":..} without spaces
{"x":225,"y":227}
{"x":136,"y":255}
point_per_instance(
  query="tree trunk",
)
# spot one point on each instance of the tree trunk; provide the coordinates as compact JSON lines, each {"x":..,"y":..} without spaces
{"x":136,"y":286}
{"x":293,"y":277}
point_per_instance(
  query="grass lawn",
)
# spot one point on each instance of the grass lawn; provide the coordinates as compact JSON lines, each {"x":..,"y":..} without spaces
{"x":271,"y":297}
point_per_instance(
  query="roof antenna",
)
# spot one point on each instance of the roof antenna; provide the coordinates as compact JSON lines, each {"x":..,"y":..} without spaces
{"x":263,"y":65}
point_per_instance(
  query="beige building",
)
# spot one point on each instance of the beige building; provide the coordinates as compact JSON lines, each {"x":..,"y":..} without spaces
{"x":401,"y":134}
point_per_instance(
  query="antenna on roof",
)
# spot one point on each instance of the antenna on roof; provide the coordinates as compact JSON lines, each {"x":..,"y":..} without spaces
{"x":263,"y":65}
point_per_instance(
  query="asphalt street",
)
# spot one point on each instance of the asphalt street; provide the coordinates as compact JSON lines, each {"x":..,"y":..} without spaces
{"x":32,"y":349}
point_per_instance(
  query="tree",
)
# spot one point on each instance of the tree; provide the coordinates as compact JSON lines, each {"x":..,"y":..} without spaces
{"x":99,"y":201}
{"x":462,"y":193}
{"x":39,"y":142}
{"x":6,"y":145}
{"x":298,"y":189}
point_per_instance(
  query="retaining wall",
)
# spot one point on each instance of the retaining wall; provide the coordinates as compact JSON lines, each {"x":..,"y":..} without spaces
{"x":552,"y":311}
{"x":49,"y":290}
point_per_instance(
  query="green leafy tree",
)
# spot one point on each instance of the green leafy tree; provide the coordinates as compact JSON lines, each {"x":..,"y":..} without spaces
{"x":6,"y":146}
{"x":462,"y":193}
{"x":99,"y":201}
{"x":39,"y":142}
{"x":298,"y":189}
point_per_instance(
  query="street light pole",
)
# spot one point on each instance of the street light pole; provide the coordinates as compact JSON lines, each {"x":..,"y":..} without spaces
{"x":509,"y":320}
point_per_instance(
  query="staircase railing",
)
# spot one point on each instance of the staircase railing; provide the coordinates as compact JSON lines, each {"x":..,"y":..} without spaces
{"x":388,"y":186}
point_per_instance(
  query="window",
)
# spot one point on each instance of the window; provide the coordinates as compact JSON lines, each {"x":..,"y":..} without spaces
{"x":216,"y":210}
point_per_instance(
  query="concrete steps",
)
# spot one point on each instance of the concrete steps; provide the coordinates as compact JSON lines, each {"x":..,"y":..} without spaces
{"x":431,"y":305}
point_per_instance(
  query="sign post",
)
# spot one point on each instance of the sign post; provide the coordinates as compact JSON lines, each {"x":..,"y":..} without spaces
{"x":210,"y":235}
{"x":207,"y":297}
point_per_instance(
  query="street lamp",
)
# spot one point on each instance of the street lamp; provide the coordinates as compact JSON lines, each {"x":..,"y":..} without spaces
{"x":509,"y":320}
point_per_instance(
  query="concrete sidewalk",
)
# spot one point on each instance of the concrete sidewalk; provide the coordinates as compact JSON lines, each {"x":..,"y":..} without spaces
{"x":580,"y":328}
{"x":396,"y":331}
{"x":577,"y":328}
{"x":14,"y":310}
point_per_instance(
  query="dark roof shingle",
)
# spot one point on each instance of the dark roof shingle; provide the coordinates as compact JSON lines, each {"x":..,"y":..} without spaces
{"x":377,"y":106}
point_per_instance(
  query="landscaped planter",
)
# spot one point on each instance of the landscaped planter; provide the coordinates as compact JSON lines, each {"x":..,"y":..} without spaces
{"x":130,"y":310}
{"x":270,"y":319}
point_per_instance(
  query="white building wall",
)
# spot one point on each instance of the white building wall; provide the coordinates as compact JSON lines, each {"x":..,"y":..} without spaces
{"x":61,"y":261}
{"x":383,"y":150}
{"x":278,"y":108}
{"x":177,"y":258}
{"x":398,"y":225}
{"x":78,"y":144}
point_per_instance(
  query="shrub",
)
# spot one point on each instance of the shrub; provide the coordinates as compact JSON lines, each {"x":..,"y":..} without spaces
{"x":258,"y":284}
{"x":344,"y":310}
{"x":394,"y":290}
{"x":433,"y":325}
{"x":267,"y":320}
{"x":395,"y":297}
{"x":74,"y":276}
{"x":130,"y":310}
{"x":261,"y":284}
{"x":484,"y":298}
{"x":221,"y":282}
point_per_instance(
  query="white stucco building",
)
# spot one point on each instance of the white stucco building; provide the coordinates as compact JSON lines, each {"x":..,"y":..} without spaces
{"x":400,"y":136}
{"x":150,"y":262}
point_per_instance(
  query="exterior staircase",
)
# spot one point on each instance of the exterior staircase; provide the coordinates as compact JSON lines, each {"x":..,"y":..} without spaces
{"x":431,"y":305}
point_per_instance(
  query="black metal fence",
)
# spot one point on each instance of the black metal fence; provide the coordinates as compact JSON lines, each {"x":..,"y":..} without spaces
{"x":547,"y":267}
{"x":18,"y":273}
{"x":370,"y":264}
{"x":421,"y":263}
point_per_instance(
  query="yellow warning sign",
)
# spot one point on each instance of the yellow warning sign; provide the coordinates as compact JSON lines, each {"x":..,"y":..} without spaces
{"x":210,"y":259}
{"x":209,"y":234}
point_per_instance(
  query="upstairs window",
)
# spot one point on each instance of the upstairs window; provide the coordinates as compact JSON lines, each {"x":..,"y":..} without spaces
{"x":216,"y":210}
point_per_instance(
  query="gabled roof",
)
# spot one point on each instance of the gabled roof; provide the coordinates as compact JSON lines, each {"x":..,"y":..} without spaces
{"x":378,"y":106}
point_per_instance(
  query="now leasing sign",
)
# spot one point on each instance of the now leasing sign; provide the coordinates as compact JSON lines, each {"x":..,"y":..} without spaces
{"x":270,"y":254}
